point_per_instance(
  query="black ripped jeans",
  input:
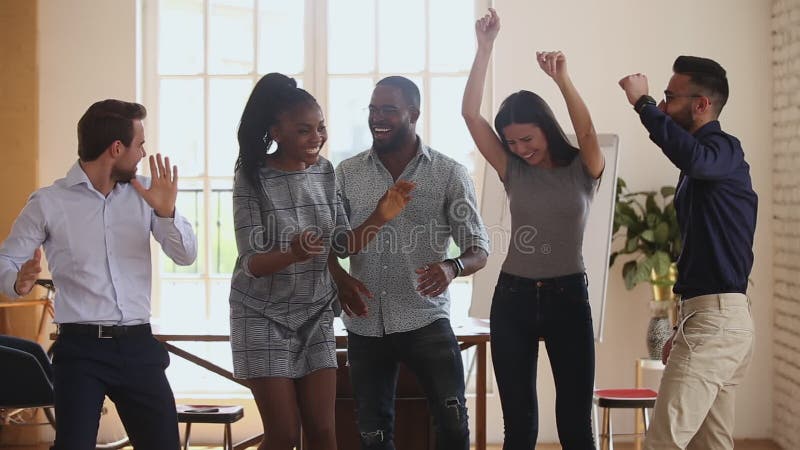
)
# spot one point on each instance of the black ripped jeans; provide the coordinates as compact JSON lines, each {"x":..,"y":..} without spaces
{"x":433,"y":355}
{"x":556,"y":310}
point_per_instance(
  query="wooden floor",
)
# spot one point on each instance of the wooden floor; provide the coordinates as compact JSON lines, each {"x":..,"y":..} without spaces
{"x":740,"y":445}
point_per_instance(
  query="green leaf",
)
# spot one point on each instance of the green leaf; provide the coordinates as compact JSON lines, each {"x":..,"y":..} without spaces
{"x":642,"y":272}
{"x":648,"y":235}
{"x":661,"y":233}
{"x":666,"y":191}
{"x":628,"y":272}
{"x":652,"y":206}
{"x":631,"y":245}
{"x":653,"y":219}
{"x":660,"y":262}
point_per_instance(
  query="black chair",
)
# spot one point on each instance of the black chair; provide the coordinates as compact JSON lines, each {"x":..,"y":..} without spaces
{"x":26,"y":380}
{"x":227,"y":415}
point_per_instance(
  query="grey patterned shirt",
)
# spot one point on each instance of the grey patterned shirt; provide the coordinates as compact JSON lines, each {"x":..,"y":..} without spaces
{"x":442,"y":208}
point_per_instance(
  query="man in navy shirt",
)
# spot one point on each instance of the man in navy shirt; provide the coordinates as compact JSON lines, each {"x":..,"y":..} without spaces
{"x":711,"y":348}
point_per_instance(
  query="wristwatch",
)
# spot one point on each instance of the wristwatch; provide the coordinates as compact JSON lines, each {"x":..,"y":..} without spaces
{"x":643,"y":100}
{"x":458,"y":265}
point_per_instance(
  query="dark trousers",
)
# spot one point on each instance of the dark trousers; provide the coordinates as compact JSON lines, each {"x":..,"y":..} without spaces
{"x":556,"y":310}
{"x":433,"y":355}
{"x":130,"y":371}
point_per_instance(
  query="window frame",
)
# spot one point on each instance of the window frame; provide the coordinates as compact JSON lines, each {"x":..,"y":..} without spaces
{"x":315,"y":78}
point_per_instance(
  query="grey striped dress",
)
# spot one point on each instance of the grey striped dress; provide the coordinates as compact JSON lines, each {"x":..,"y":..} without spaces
{"x":282,"y":323}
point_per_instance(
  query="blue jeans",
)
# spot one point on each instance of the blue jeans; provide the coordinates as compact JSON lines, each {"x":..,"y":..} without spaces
{"x":556,"y":310}
{"x":433,"y":355}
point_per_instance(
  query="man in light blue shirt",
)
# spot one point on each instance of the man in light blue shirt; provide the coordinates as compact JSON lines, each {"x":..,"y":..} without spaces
{"x":95,"y":226}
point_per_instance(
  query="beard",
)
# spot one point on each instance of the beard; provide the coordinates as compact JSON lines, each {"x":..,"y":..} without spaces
{"x":121,"y":175}
{"x":684,"y":119}
{"x":395,"y":140}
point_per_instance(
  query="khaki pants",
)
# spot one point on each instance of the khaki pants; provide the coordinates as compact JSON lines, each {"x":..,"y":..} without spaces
{"x":709,"y":358}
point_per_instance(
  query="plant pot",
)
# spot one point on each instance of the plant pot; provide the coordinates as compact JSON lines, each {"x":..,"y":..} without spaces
{"x":662,"y":285}
{"x":659,"y":328}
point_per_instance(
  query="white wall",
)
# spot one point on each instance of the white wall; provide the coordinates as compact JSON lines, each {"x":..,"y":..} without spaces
{"x":87,"y":53}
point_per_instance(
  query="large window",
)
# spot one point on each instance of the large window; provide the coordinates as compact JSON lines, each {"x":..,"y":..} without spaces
{"x":201,"y":59}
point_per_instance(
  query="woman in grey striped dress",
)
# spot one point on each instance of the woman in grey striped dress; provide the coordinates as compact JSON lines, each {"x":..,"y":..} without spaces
{"x":288,"y":218}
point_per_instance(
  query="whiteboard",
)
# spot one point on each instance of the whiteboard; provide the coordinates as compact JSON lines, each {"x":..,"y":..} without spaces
{"x":596,"y":239}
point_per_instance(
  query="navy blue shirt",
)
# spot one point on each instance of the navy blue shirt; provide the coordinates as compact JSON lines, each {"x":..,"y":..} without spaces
{"x":715,"y":204}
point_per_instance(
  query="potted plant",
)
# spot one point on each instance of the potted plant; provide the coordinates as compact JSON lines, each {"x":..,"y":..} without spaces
{"x":647,"y":223}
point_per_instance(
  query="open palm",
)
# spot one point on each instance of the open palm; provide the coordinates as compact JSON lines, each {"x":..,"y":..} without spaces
{"x":163,"y":191}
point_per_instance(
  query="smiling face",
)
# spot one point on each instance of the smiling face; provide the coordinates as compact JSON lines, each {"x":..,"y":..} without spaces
{"x":127,"y":158}
{"x":300,"y":134}
{"x":392,"y":121}
{"x":529,"y":142}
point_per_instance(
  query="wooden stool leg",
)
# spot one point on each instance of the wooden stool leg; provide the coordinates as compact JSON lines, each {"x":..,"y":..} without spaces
{"x":188,"y":430}
{"x":227,"y":441}
{"x":604,"y":436}
{"x":610,"y":431}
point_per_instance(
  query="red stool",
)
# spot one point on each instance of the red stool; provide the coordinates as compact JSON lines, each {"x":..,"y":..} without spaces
{"x":609,"y":399}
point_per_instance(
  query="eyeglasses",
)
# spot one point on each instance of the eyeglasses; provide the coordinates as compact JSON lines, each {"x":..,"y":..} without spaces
{"x":386,"y":111}
{"x":670,"y":97}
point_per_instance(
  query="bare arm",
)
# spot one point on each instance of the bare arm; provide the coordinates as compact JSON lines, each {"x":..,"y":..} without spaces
{"x":303,"y":247}
{"x":486,"y":140}
{"x":554,"y":64}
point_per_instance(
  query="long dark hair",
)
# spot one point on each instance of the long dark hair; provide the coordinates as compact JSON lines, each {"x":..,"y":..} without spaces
{"x":273,"y":95}
{"x":527,"y":107}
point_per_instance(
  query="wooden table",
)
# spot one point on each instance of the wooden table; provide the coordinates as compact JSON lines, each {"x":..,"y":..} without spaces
{"x":472,"y":333}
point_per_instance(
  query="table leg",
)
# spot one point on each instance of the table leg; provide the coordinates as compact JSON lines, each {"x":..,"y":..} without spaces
{"x":480,"y":400}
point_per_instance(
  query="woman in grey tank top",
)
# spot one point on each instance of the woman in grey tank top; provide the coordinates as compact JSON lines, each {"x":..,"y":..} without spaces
{"x":542,"y":290}
{"x":288,"y":219}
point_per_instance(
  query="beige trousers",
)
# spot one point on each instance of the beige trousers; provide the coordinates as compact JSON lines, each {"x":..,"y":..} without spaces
{"x":710,"y":353}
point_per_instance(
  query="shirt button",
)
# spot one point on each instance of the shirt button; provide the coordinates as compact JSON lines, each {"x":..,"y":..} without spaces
{"x":385,"y":267}
{"x":383,"y":292}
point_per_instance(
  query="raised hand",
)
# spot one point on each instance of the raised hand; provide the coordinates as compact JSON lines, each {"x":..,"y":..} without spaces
{"x":554,"y":64}
{"x":28,"y":273}
{"x":305,"y":245}
{"x":434,"y":278}
{"x":351,"y":295}
{"x":635,"y":86}
{"x":394,"y":200}
{"x":487,"y":27}
{"x":163,"y":189}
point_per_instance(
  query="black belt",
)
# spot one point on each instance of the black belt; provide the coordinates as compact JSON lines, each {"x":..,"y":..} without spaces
{"x":522,"y":282}
{"x":103,"y":331}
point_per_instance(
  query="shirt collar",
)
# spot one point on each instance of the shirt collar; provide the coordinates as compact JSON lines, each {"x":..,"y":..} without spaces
{"x":422,"y":149}
{"x":77,"y":176}
{"x":709,"y":128}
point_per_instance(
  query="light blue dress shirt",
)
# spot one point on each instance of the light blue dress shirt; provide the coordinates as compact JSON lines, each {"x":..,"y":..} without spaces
{"x":97,"y":248}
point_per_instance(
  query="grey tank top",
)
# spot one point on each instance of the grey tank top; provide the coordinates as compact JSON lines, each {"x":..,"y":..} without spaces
{"x":549,"y":208}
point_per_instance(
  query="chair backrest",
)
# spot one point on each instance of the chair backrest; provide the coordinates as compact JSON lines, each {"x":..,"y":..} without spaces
{"x":26,"y":374}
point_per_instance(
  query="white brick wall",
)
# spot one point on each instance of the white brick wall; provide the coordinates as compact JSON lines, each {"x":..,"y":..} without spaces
{"x":786,"y":226}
